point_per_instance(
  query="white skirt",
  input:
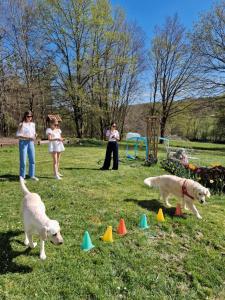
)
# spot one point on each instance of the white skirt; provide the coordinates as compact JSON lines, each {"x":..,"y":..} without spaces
{"x":55,"y":146}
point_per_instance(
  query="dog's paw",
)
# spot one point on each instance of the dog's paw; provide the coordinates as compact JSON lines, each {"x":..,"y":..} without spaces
{"x":33,"y":245}
{"x":168,"y":205}
{"x":26,"y":242}
{"x":199,"y":217}
{"x":43,"y":256}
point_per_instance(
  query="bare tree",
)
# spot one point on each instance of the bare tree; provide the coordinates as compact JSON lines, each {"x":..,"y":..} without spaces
{"x":96,"y":58}
{"x":116,"y":84}
{"x":208,"y":41}
{"x":25,"y":41}
{"x":173,"y":70}
{"x":126,"y":77}
{"x":67,"y":24}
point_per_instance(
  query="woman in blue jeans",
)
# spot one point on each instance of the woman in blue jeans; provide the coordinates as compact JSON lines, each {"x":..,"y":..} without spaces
{"x":27,"y":134}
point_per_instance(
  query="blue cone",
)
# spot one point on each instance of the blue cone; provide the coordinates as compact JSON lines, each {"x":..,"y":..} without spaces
{"x":86,"y":244}
{"x":143,"y":222}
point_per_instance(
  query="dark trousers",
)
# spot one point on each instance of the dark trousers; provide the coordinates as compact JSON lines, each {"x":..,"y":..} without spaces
{"x":112,"y":147}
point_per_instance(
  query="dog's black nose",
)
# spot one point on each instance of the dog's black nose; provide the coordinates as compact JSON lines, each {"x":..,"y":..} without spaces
{"x":202,"y":201}
{"x":60,"y":243}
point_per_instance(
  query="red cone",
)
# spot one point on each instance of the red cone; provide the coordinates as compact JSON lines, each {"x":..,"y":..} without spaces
{"x":122,"y":228}
{"x":178,"y":211}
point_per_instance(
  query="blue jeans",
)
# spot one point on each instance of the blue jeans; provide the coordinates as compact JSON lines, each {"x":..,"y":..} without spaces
{"x":27,"y":147}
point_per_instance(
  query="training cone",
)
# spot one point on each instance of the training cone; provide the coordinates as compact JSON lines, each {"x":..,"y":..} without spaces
{"x":143,"y":222}
{"x":107,"y":237}
{"x":122,"y":228}
{"x":178,"y":211}
{"x":86,"y":243}
{"x":160,"y":216}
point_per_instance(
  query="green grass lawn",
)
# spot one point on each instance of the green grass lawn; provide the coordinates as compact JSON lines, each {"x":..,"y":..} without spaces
{"x":179,"y":259}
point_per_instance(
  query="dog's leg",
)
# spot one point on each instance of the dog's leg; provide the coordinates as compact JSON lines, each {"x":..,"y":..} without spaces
{"x":184,"y":204}
{"x":42,"y":250}
{"x":195,"y":211}
{"x":26,"y":241}
{"x":167,"y":202}
{"x":30,"y":241}
{"x":165,"y":197}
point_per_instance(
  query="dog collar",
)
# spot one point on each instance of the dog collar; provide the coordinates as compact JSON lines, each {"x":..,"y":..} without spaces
{"x":184,"y":190}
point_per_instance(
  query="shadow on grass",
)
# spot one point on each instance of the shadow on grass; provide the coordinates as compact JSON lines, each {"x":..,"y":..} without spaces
{"x":155,"y":205}
{"x":9,"y":177}
{"x":79,"y":168}
{"x":46,"y":177}
{"x":7,"y":254}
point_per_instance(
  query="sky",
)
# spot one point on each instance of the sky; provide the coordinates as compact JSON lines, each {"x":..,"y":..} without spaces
{"x":149,"y":13}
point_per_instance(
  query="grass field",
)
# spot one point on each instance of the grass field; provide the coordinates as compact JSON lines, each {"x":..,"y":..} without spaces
{"x":179,"y":259}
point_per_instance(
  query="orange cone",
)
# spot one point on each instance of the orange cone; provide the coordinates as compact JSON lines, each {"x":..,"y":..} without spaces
{"x":178,"y":211}
{"x":122,"y":228}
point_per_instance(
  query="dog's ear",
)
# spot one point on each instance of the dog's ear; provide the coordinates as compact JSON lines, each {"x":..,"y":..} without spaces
{"x":208,"y":193}
{"x":53,"y":226}
{"x":194,"y":190}
{"x":43,"y":233}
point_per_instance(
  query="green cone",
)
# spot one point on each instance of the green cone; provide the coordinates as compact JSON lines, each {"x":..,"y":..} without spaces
{"x":86,"y":244}
{"x":143,"y":222}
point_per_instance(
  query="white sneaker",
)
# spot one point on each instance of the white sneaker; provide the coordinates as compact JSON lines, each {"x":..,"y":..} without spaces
{"x":60,"y":174}
{"x":34,"y":178}
{"x":23,"y":180}
{"x":58,"y":177}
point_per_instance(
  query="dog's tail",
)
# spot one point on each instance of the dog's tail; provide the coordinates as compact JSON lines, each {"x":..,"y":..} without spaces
{"x":152,"y":181}
{"x":23,"y":186}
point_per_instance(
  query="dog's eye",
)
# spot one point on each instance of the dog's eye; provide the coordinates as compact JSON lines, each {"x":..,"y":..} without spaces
{"x":54,"y":234}
{"x":200,"y":194}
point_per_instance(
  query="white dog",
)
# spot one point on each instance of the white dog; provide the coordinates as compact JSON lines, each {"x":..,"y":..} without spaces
{"x":185,"y":189}
{"x":36,"y":221}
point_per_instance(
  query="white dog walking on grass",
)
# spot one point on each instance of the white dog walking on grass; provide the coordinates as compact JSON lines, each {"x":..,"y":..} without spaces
{"x":37,"y":222}
{"x":186,"y":189}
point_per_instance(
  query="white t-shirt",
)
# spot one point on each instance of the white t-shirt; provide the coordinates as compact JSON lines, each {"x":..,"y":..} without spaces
{"x":27,"y":130}
{"x":55,"y":134}
{"x":112,"y":136}
{"x":55,"y":146}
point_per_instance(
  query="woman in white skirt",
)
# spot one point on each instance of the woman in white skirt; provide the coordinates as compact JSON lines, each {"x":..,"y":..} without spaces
{"x":55,"y":146}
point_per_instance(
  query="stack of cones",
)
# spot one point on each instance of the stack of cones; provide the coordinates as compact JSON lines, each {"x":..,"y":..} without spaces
{"x":121,"y":230}
{"x":143,"y":222}
{"x":107,"y":237}
{"x":86,"y":243}
{"x":160,"y":216}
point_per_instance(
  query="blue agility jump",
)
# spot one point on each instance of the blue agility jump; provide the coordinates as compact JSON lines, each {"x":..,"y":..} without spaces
{"x":136,"y":138}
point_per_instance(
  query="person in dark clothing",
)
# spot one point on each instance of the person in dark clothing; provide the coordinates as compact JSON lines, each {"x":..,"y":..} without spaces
{"x":112,"y":147}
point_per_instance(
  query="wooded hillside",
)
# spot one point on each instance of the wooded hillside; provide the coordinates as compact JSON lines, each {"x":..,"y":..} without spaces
{"x":202,"y":119}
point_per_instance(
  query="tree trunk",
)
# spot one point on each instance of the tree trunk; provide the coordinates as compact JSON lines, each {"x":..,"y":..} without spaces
{"x":162,"y":128}
{"x":78,"y":119}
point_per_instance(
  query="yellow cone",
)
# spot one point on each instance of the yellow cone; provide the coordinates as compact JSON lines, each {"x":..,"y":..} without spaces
{"x":107,"y":237}
{"x":160,"y":216}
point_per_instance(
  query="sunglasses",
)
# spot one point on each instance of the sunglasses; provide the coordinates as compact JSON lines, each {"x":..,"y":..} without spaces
{"x":114,"y":126}
{"x":29,"y":116}
{"x":56,"y":125}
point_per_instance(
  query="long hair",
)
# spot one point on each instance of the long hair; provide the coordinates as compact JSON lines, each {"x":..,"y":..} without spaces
{"x":27,"y":113}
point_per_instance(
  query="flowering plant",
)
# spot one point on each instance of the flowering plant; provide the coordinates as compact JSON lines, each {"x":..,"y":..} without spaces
{"x":211,"y":177}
